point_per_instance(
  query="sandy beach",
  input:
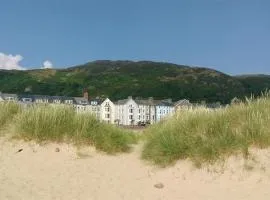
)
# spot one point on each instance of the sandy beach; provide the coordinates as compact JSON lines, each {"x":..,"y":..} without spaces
{"x":40,"y":172}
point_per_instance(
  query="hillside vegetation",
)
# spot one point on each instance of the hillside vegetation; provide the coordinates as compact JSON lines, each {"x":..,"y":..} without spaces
{"x":206,"y":136}
{"x":255,"y":84}
{"x":119,"y":79}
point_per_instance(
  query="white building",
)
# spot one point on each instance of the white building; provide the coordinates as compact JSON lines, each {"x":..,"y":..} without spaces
{"x":9,"y":97}
{"x":107,"y":111}
{"x":81,"y":104}
{"x":164,"y":108}
{"x":126,"y":112}
{"x":94,"y":107}
{"x":146,"y":111}
{"x":183,"y":104}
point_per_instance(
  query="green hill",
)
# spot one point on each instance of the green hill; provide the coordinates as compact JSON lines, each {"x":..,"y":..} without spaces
{"x":255,"y":84}
{"x":119,"y":79}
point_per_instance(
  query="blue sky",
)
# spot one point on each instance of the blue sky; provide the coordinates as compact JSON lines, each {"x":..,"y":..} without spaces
{"x":232,"y":36}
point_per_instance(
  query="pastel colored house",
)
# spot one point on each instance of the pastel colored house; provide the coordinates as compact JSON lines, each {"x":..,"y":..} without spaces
{"x":56,"y":100}
{"x":107,"y":111}
{"x":10,"y":97}
{"x":44,"y":99}
{"x":126,"y":112}
{"x":41,"y":99}
{"x":146,"y":111}
{"x":182,"y":104}
{"x":25,"y":100}
{"x":164,"y":109}
{"x":94,"y":107}
{"x":81,"y":104}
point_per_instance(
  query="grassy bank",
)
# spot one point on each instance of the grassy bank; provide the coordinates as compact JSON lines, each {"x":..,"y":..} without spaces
{"x":61,"y":123}
{"x":7,"y":111}
{"x":206,"y":136}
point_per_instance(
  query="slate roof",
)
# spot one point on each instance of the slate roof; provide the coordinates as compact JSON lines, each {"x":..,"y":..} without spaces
{"x":81,"y":101}
{"x":45,"y":97}
{"x":6,"y":95}
{"x":149,"y":102}
{"x":165,"y":103}
{"x":121,"y":102}
{"x":182,"y":102}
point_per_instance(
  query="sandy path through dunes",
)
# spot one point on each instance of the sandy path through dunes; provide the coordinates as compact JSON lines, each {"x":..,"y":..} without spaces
{"x":38,"y":172}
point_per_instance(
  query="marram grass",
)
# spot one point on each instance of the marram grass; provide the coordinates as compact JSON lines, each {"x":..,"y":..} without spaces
{"x":205,"y":136}
{"x":62,"y":123}
{"x":7,"y":111}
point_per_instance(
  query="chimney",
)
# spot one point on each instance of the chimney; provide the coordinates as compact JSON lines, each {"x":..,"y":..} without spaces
{"x":85,"y":94}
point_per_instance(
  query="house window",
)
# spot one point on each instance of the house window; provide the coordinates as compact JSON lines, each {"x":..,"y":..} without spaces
{"x":107,"y":116}
{"x":68,"y":101}
{"x":10,"y":98}
{"x":139,"y":110}
{"x":131,"y":117}
{"x":56,"y":101}
{"x":131,"y":110}
{"x":83,"y":102}
{"x":107,"y":109}
{"x":139,"y":117}
{"x":94,"y":103}
{"x":27,"y":100}
{"x":42,"y":100}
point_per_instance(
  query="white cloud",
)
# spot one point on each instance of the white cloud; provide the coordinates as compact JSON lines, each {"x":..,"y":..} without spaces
{"x":9,"y":62}
{"x":47,"y":64}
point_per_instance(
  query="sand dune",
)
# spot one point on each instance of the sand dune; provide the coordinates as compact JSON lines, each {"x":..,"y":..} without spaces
{"x":39,"y":172}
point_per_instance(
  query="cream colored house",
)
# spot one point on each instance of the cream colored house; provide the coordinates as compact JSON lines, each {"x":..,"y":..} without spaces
{"x":107,"y":111}
{"x":182,"y":104}
{"x":94,"y":107}
{"x":81,"y":104}
{"x":164,"y":109}
{"x":126,"y":112}
{"x":9,"y":97}
{"x":146,"y":110}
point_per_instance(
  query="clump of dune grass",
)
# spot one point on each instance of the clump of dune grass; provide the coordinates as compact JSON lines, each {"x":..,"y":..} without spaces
{"x":45,"y":122}
{"x":7,"y":111}
{"x":105,"y":137}
{"x":62,"y":123}
{"x":205,"y":136}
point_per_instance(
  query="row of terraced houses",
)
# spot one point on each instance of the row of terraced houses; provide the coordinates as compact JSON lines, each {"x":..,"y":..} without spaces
{"x":128,"y":111}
